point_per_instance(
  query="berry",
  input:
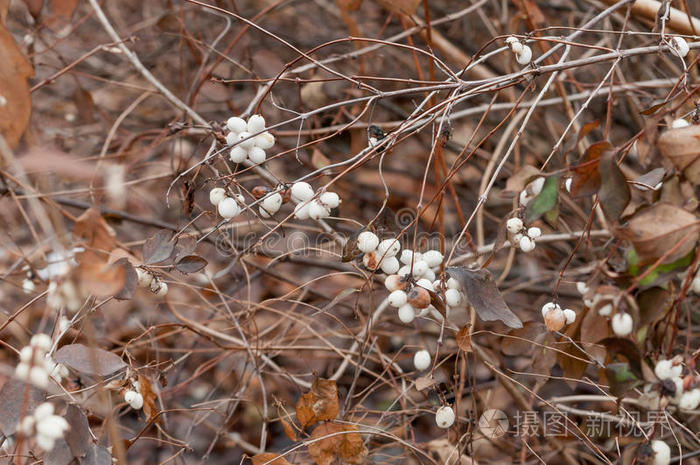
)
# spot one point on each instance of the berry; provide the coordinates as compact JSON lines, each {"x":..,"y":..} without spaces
{"x":525,"y":55}
{"x":690,"y":400}
{"x":408,"y":256}
{"x":228,"y":208}
{"x":534,"y":232}
{"x":525,"y":198}
{"x":265,"y":140}
{"x":245,"y":141}
{"x":433,"y":258}
{"x":514,"y":225}
{"x":662,"y":453}
{"x":421,"y":360}
{"x":302,"y":191}
{"x":582,"y":288}
{"x":554,"y":319}
{"x":570,"y":316}
{"x":329,"y":199}
{"x":317,"y":210}
{"x":680,"y":123}
{"x":162,"y":290}
{"x":134,"y":399}
{"x":272,"y":203}
{"x":445,"y":417}
{"x":515,"y":45}
{"x":257,"y":155}
{"x":605,"y":310}
{"x":536,"y":186}
{"x":28,"y":286}
{"x":41,"y":341}
{"x":388,"y":247}
{"x":527,"y":244}
{"x":394,"y":282}
{"x":367,"y":241}
{"x":429,"y":275}
{"x":404,"y":271}
{"x":216,"y":195}
{"x":420,"y":267}
{"x":622,"y":324}
{"x":398,"y":298}
{"x":45,"y":442}
{"x":236,"y":124}
{"x":256,"y":123}
{"x":419,"y":297}
{"x":390,"y":265}
{"x":301,"y":211}
{"x":52,"y":426}
{"x":371,"y":260}
{"x":144,"y":278}
{"x":453,"y":297}
{"x":231,"y":138}
{"x":43,"y":411}
{"x":567,"y":184}
{"x":238,"y":154}
{"x":665,"y":369}
{"x":452,"y":283}
{"x":407,"y":313}
{"x":547,"y":307}
{"x":680,"y":45}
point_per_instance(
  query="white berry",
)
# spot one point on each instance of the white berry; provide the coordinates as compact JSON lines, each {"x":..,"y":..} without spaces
{"x":302,"y":191}
{"x":680,"y":45}
{"x":452,"y":283}
{"x":144,"y":278}
{"x":453,"y":297}
{"x":236,"y":124}
{"x":388,"y":247}
{"x":329,"y":199}
{"x":526,"y":244}
{"x":433,"y":258}
{"x":245,"y":141}
{"x":238,"y":154}
{"x":445,"y":417}
{"x":525,"y":55}
{"x":367,"y":241}
{"x":420,"y":267}
{"x":582,"y":287}
{"x":421,"y":360}
{"x":317,"y":210}
{"x":256,"y":123}
{"x":162,"y":290}
{"x":301,"y":211}
{"x":605,"y":310}
{"x":134,"y":399}
{"x":622,"y":324}
{"x":390,"y":265}
{"x":228,"y":208}
{"x":665,"y":369}
{"x":257,"y":155}
{"x":407,"y":313}
{"x":41,"y":341}
{"x":426,"y":284}
{"x":690,"y":399}
{"x":398,"y":298}
{"x":534,"y":232}
{"x":514,"y":225}
{"x":265,"y":140}
{"x":567,"y":184}
{"x":662,"y":453}
{"x":231,"y":138}
{"x":547,"y":307}
{"x":408,"y":256}
{"x":570,"y":316}
{"x":272,"y":203}
{"x":680,"y":123}
{"x":216,"y":195}
{"x":52,"y":426}
{"x":537,"y":185}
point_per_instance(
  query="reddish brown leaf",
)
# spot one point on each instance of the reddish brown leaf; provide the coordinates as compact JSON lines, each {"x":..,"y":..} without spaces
{"x":149,"y":398}
{"x":464,"y":339}
{"x":289,"y":430}
{"x":89,"y":360}
{"x":586,"y":129}
{"x":483,"y":294}
{"x":269,"y":458}
{"x":101,"y":279}
{"x":331,"y":442}
{"x":15,"y":98}
{"x":59,"y":13}
{"x":34,"y":7}
{"x":586,"y":178}
{"x":320,"y":403}
{"x":614,"y":193}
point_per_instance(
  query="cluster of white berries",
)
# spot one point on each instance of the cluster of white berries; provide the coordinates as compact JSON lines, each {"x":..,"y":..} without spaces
{"x":555,"y":318}
{"x":680,"y":46}
{"x":686,"y":396}
{"x":246,"y":147}
{"x":531,"y":191}
{"x":228,"y":207}
{"x":523,"y":237}
{"x":523,"y":53}
{"x":133,"y":397}
{"x":64,"y":294}
{"x":47,"y":426}
{"x":445,"y":417}
{"x":302,"y":193}
{"x":35,"y":364}
{"x":146,"y":280}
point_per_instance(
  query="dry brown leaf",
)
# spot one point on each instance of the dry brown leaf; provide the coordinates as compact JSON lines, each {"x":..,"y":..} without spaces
{"x":94,"y":230}
{"x":269,"y":458}
{"x":682,"y":147}
{"x":59,"y":13}
{"x":320,"y":403}
{"x":15,"y":97}
{"x":405,"y":7}
{"x":448,"y":452}
{"x":655,"y":230}
{"x":424,"y":382}
{"x":149,"y":399}
{"x":464,"y":339}
{"x":328,"y":445}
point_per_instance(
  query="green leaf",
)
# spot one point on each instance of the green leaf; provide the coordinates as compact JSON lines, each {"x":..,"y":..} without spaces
{"x":545,"y":200}
{"x":621,"y":378}
{"x":634,"y":270}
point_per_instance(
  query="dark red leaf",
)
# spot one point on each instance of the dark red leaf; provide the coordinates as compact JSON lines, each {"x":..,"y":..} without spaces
{"x":586,"y":179}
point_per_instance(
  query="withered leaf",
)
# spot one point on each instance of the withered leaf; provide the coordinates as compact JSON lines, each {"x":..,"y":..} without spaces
{"x":14,"y":395}
{"x":586,"y":178}
{"x":483,"y":294}
{"x":464,"y":339}
{"x":149,"y":398}
{"x":331,"y":442}
{"x":586,"y":129}
{"x":622,"y":346}
{"x":320,"y":403}
{"x":269,"y":458}
{"x":191,"y":264}
{"x":94,"y":231}
{"x":89,"y":360}
{"x":79,"y":438}
{"x":97,"y":455}
{"x":130,"y":279}
{"x":158,"y":247}
{"x":406,"y":7}
{"x":649,"y":180}
{"x":14,"y":72}
{"x":614,"y":192}
{"x":521,"y":178}
{"x":655,"y":230}
{"x":424,"y":382}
